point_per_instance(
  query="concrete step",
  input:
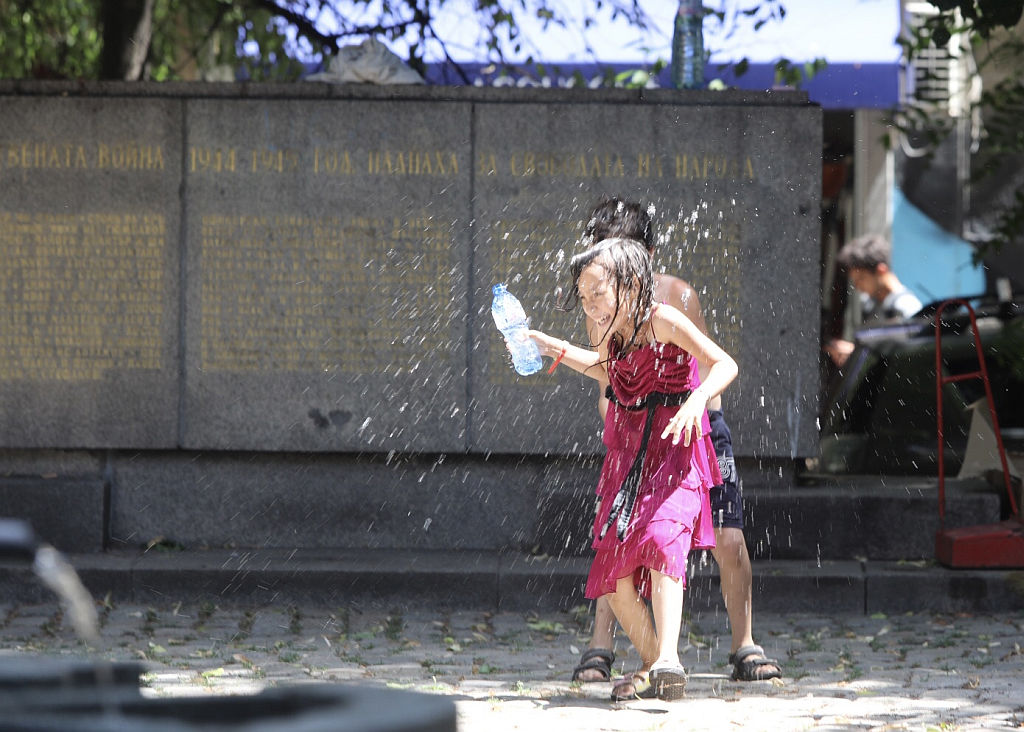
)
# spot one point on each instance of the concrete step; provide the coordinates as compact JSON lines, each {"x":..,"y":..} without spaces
{"x":872,"y":518}
{"x":499,"y":581}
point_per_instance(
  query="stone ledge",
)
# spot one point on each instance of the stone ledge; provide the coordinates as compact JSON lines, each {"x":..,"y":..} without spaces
{"x":505,"y":582}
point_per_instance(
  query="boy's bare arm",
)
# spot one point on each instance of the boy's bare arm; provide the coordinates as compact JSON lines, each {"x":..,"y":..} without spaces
{"x":681,"y":295}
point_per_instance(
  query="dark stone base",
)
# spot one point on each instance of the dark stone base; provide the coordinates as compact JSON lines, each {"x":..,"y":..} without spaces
{"x":65,"y":512}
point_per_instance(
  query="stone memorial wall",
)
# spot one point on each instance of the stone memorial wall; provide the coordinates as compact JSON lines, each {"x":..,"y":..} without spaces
{"x":326,"y":275}
{"x":313,"y":272}
{"x":89,"y":285}
{"x":239,"y":310}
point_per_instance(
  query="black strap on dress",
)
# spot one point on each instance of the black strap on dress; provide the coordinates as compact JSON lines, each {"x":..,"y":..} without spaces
{"x":622,"y":505}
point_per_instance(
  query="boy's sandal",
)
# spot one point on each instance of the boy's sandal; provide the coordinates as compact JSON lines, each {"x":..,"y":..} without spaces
{"x":669,"y":682}
{"x":595,"y":659}
{"x":637,"y":686}
{"x":750,"y":664}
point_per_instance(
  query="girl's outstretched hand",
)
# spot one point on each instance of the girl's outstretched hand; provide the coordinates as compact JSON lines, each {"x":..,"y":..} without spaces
{"x":687,"y":423}
{"x":548,"y":345}
{"x":579,"y":359}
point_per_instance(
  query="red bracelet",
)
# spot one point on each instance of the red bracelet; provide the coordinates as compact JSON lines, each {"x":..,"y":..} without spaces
{"x":554,"y":364}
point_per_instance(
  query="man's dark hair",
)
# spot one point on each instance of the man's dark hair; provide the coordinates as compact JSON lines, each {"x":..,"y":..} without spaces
{"x":619,"y":219}
{"x":865,"y":252}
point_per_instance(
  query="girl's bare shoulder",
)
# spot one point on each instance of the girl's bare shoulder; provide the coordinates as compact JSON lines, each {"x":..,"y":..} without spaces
{"x":665,"y":315}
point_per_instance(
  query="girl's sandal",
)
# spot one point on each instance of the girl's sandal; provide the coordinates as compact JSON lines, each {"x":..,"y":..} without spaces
{"x":637,"y":686}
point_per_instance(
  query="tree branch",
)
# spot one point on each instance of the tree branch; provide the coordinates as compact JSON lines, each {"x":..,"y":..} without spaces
{"x":308,"y":28}
{"x":444,"y":47}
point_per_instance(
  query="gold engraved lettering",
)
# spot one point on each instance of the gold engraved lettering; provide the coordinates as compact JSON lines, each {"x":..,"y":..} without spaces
{"x":129,"y":156}
{"x":412,"y":162}
{"x":566,"y":165}
{"x":332,"y":162}
{"x":523,"y":166}
{"x":82,"y":294}
{"x":44,"y":155}
{"x":648,"y":166}
{"x":293,"y":293}
{"x":721,"y":167}
{"x":207,"y":160}
{"x":268,"y":160}
{"x":486,"y":164}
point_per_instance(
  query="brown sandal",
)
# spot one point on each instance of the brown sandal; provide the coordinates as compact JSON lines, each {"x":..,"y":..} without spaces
{"x":637,"y":686}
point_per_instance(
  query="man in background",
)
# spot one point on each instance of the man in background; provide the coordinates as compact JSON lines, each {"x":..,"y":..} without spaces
{"x":867,"y":261}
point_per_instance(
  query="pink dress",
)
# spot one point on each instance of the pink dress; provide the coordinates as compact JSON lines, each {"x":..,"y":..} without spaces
{"x":672,"y":512}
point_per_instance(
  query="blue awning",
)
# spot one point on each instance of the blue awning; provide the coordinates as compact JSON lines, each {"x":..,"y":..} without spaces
{"x":837,"y":86}
{"x":928,"y":260}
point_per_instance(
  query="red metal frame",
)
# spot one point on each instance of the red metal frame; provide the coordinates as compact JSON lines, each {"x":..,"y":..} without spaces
{"x":989,"y":545}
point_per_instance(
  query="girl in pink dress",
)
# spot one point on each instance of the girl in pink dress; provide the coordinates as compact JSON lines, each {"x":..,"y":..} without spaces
{"x":660,"y":462}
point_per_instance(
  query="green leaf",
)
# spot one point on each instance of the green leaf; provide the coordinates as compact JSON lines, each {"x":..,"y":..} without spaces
{"x":941,"y":36}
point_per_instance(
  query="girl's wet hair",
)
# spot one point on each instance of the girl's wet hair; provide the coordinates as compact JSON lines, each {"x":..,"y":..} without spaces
{"x":629,"y":266}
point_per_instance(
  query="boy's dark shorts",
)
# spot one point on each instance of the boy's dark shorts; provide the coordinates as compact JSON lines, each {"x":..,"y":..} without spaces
{"x":727,"y":499}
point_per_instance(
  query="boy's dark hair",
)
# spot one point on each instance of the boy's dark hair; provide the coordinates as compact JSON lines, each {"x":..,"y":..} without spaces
{"x":865,"y":252}
{"x":614,"y":217}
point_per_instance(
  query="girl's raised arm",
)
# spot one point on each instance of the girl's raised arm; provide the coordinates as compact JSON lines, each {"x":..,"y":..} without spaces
{"x":672,"y":326}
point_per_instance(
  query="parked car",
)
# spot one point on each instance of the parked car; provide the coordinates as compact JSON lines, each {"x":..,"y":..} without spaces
{"x":879,"y":414}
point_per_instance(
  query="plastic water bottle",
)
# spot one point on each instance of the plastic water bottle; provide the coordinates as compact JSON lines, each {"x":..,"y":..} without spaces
{"x":510,"y":318}
{"x":688,"y":46}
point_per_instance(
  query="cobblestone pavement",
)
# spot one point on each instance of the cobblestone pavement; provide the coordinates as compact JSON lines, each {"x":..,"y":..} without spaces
{"x":510,"y":671}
